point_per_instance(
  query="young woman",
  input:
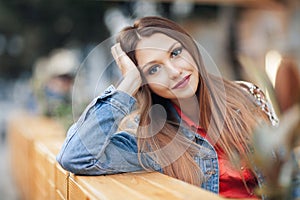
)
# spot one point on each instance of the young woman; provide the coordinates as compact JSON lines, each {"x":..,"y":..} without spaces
{"x":168,"y":114}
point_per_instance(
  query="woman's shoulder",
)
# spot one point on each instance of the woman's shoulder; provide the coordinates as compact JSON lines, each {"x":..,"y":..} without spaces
{"x":260,"y":99}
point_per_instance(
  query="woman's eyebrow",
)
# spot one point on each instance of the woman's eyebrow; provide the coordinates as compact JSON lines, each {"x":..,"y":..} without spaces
{"x":172,"y":46}
{"x":148,"y":63}
{"x":170,"y":49}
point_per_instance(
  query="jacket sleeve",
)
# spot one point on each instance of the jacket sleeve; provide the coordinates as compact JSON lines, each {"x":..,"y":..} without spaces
{"x":93,"y":146}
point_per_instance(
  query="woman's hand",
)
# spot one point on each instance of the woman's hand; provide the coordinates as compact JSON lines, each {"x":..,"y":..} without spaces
{"x":131,"y":76}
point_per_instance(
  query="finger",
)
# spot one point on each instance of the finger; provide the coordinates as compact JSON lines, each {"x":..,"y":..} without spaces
{"x":123,"y":61}
{"x":114,"y":51}
{"x":117,"y":51}
{"x":116,"y":56}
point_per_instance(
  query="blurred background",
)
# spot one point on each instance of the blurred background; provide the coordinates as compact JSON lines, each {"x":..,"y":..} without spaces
{"x":44,"y":46}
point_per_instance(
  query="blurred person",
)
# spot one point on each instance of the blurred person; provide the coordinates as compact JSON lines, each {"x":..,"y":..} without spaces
{"x":53,"y":82}
{"x":287,"y":83}
{"x":168,"y":114}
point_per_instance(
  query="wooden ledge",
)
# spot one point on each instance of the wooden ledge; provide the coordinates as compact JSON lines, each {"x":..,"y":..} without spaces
{"x":34,"y":143}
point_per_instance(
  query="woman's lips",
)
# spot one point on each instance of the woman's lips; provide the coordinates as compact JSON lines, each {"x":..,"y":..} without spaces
{"x":183,"y":82}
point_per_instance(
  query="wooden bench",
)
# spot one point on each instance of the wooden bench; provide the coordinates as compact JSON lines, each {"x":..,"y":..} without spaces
{"x":34,"y":142}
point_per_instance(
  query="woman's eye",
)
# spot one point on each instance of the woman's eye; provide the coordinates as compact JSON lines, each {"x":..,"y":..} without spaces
{"x":153,"y":69}
{"x":176,"y":52}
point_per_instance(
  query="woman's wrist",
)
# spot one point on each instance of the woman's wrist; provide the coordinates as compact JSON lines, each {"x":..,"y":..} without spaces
{"x":129,"y":85}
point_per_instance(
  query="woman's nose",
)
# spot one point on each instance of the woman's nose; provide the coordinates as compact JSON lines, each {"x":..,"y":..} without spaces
{"x":173,"y":70}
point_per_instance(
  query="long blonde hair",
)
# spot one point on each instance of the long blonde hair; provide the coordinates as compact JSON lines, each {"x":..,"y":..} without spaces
{"x":228,"y":119}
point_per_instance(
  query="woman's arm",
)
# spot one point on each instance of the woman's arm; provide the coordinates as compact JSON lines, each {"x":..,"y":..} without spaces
{"x":93,"y":146}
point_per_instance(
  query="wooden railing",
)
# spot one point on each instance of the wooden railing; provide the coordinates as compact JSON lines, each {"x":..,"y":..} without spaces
{"x":35,"y":141}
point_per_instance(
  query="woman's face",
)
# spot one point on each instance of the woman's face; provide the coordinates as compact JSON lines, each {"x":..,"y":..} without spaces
{"x":169,"y":69}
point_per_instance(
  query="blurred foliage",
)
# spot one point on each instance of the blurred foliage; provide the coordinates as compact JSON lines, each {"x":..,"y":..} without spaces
{"x":63,"y":114}
{"x":258,"y":76}
{"x":276,"y":149}
{"x":44,"y":25}
{"x":276,"y":155}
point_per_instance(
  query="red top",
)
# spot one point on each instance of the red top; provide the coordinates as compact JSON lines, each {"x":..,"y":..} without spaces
{"x":231,"y":183}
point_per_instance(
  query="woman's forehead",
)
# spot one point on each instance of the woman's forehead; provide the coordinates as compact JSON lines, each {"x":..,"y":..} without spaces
{"x":157,"y":41}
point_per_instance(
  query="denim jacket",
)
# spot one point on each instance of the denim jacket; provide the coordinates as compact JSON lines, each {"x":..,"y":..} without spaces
{"x":94,"y":146}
